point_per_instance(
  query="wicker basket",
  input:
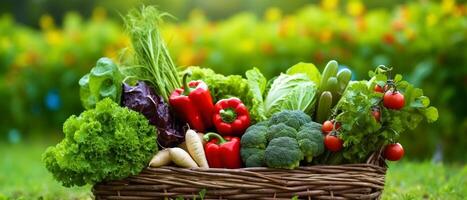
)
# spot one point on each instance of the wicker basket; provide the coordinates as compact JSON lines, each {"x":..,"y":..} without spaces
{"x":353,"y":181}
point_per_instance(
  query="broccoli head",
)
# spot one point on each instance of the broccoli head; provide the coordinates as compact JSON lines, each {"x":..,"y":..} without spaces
{"x":311,"y":140}
{"x":292,"y":118}
{"x":283,"y":152}
{"x":255,"y":136}
{"x":252,"y":157}
{"x":282,"y":141}
{"x":253,"y":144}
{"x":280,"y":130}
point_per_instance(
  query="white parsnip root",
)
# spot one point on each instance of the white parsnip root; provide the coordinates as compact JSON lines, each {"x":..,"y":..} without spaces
{"x":195,"y":147}
{"x":183,"y":144}
{"x":181,"y":158}
{"x":162,"y":158}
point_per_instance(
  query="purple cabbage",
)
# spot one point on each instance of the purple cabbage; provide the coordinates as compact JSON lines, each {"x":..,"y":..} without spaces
{"x":143,"y":99}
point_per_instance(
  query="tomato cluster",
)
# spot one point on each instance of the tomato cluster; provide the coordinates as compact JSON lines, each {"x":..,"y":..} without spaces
{"x":392,"y":99}
{"x":331,"y":141}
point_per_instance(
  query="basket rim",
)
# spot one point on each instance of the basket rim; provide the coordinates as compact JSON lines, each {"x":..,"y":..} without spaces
{"x":255,"y":169}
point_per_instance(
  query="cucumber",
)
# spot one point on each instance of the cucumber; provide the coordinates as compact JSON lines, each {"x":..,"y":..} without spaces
{"x":329,"y":71}
{"x":324,"y":107}
{"x":343,"y":77}
{"x":333,"y":87}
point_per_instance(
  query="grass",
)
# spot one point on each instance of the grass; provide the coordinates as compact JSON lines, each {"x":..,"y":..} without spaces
{"x":23,"y":176}
{"x":412,"y":180}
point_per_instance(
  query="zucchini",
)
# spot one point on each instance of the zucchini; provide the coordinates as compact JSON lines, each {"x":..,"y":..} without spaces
{"x":329,"y":71}
{"x":333,"y":87}
{"x":324,"y":107}
{"x":343,"y":77}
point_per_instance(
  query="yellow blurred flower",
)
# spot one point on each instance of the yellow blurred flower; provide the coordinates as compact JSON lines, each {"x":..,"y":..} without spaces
{"x":54,"y":37}
{"x":355,"y":8}
{"x":123,"y":41}
{"x":26,"y":58}
{"x":459,"y":11}
{"x":431,"y":19}
{"x":46,"y":22}
{"x":325,"y":36}
{"x":405,"y":14}
{"x":196,"y":14}
{"x":288,"y":27}
{"x":361,"y":24}
{"x":99,"y":14}
{"x":273,"y":14}
{"x":409,"y":34}
{"x":246,"y":46}
{"x":5,"y":43}
{"x":448,"y":6}
{"x":111,"y":51}
{"x":186,"y":57}
{"x":329,"y":4}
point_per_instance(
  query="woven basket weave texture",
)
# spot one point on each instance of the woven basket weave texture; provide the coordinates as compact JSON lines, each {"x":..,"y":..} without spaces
{"x":353,"y":181}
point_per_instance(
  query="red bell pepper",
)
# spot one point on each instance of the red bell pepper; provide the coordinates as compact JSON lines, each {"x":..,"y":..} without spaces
{"x":193,"y":104}
{"x":222,"y":152}
{"x":231,"y":117}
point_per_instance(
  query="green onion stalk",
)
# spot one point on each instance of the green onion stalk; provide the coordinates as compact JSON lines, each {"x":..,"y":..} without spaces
{"x":152,"y":60}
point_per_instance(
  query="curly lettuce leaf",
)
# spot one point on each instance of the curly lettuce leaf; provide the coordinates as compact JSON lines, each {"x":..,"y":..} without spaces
{"x":359,"y":128}
{"x":257,"y":83}
{"x":105,"y":143}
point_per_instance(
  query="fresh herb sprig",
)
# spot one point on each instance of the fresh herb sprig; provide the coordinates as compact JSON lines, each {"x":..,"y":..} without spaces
{"x":152,"y":60}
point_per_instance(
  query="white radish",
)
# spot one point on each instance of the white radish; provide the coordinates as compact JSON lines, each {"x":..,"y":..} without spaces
{"x":162,"y":158}
{"x":195,"y":147}
{"x":181,"y":158}
{"x":183,"y":144}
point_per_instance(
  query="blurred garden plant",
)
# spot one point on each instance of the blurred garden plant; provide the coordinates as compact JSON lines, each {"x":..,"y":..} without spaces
{"x":40,"y":69}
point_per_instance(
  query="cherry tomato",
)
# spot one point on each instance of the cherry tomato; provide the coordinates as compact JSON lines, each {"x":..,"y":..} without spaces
{"x":376,"y":114}
{"x":378,"y":89}
{"x":333,"y":143}
{"x":337,"y":125}
{"x":393,"y":100}
{"x":393,"y":152}
{"x":327,"y":126}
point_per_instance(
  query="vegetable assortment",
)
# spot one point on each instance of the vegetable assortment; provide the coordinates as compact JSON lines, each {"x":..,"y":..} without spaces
{"x":301,"y":117}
